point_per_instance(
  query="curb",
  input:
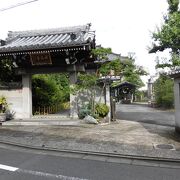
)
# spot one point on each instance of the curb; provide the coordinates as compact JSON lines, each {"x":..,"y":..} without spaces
{"x":112,"y":155}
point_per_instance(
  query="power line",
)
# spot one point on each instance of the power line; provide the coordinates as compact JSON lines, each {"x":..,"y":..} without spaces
{"x":16,"y":5}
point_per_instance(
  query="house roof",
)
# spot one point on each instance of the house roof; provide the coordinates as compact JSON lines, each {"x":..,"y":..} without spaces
{"x":175,"y":73}
{"x":69,"y":37}
{"x":113,"y":56}
{"x":123,"y":84}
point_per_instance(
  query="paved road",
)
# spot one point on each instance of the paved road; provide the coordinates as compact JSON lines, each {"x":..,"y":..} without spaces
{"x":21,"y":164}
{"x":143,"y":113}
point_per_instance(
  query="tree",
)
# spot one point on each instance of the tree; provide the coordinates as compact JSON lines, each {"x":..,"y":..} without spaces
{"x":163,"y":89}
{"x":141,"y":95}
{"x":50,"y":89}
{"x":168,"y":36}
{"x":86,"y":84}
{"x":101,"y":53}
{"x":62,"y":81}
{"x":7,"y":71}
{"x":132,"y":73}
{"x":127,"y":69}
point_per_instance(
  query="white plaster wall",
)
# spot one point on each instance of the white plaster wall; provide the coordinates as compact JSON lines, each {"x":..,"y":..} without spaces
{"x":84,"y":97}
{"x":73,"y":98}
{"x":101,"y":96}
{"x":14,"y":99}
{"x":177,"y":102}
{"x":27,"y":96}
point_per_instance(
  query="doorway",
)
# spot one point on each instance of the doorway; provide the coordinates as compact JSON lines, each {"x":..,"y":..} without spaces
{"x":51,"y":95}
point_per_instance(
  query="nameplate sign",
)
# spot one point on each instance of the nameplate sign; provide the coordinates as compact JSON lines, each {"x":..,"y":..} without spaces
{"x":40,"y":59}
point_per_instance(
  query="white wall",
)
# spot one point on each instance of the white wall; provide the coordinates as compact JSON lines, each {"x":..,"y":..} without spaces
{"x":177,"y":103}
{"x":84,"y":97}
{"x":14,"y":99}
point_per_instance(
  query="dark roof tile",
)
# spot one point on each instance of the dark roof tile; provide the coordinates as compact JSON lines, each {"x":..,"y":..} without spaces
{"x":50,"y":38}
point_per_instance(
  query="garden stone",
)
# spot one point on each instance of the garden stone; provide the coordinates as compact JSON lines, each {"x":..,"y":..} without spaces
{"x":90,"y":120}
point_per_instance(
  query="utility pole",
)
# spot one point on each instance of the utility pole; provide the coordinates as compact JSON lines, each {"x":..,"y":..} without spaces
{"x":17,"y":5}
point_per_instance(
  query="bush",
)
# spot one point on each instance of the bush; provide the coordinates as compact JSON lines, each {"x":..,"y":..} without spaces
{"x":101,"y":110}
{"x":3,"y":104}
{"x":84,"y":111}
{"x":164,"y":94}
{"x":50,"y":89}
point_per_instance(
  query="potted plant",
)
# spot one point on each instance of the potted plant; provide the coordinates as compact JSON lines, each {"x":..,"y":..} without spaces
{"x":3,"y":108}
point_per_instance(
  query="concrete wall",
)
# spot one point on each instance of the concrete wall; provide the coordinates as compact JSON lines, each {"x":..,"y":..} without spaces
{"x":177,"y":103}
{"x":15,"y":101}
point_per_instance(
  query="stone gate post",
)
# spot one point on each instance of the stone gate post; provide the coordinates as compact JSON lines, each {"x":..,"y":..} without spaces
{"x":73,"y":98}
{"x":108,"y":101}
{"x":27,"y":95}
{"x":177,"y":103}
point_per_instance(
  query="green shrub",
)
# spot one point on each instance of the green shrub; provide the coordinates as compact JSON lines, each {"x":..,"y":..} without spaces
{"x":50,"y":89}
{"x":84,"y":111}
{"x":101,"y":109}
{"x":3,"y":104}
{"x":163,"y":89}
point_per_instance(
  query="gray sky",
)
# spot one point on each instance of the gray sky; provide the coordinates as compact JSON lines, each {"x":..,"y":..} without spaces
{"x":123,"y":25}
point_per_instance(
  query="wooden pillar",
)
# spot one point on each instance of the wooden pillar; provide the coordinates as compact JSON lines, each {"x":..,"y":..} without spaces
{"x":27,"y":96}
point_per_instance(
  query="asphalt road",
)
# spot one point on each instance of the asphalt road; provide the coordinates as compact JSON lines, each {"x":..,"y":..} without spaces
{"x":21,"y":164}
{"x":143,"y":113}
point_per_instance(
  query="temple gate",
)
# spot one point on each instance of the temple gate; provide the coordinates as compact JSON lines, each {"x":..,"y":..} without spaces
{"x":47,"y":51}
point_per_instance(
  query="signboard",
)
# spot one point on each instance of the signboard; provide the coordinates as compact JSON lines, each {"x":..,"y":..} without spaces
{"x":40,"y":59}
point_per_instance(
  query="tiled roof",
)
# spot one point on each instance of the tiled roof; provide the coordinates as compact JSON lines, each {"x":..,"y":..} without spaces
{"x":113,"y":56}
{"x":122,"y":84}
{"x":20,"y":41}
{"x":175,"y":73}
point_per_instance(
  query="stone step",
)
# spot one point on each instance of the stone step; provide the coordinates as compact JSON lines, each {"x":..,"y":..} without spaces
{"x":39,"y":122}
{"x":45,"y":117}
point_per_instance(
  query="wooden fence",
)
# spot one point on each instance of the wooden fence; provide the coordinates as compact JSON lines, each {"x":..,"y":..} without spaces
{"x":45,"y":110}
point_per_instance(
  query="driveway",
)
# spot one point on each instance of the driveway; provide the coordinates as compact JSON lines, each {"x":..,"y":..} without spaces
{"x":143,"y":113}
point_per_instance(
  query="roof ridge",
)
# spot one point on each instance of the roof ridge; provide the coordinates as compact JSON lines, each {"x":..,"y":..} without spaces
{"x":50,"y":31}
